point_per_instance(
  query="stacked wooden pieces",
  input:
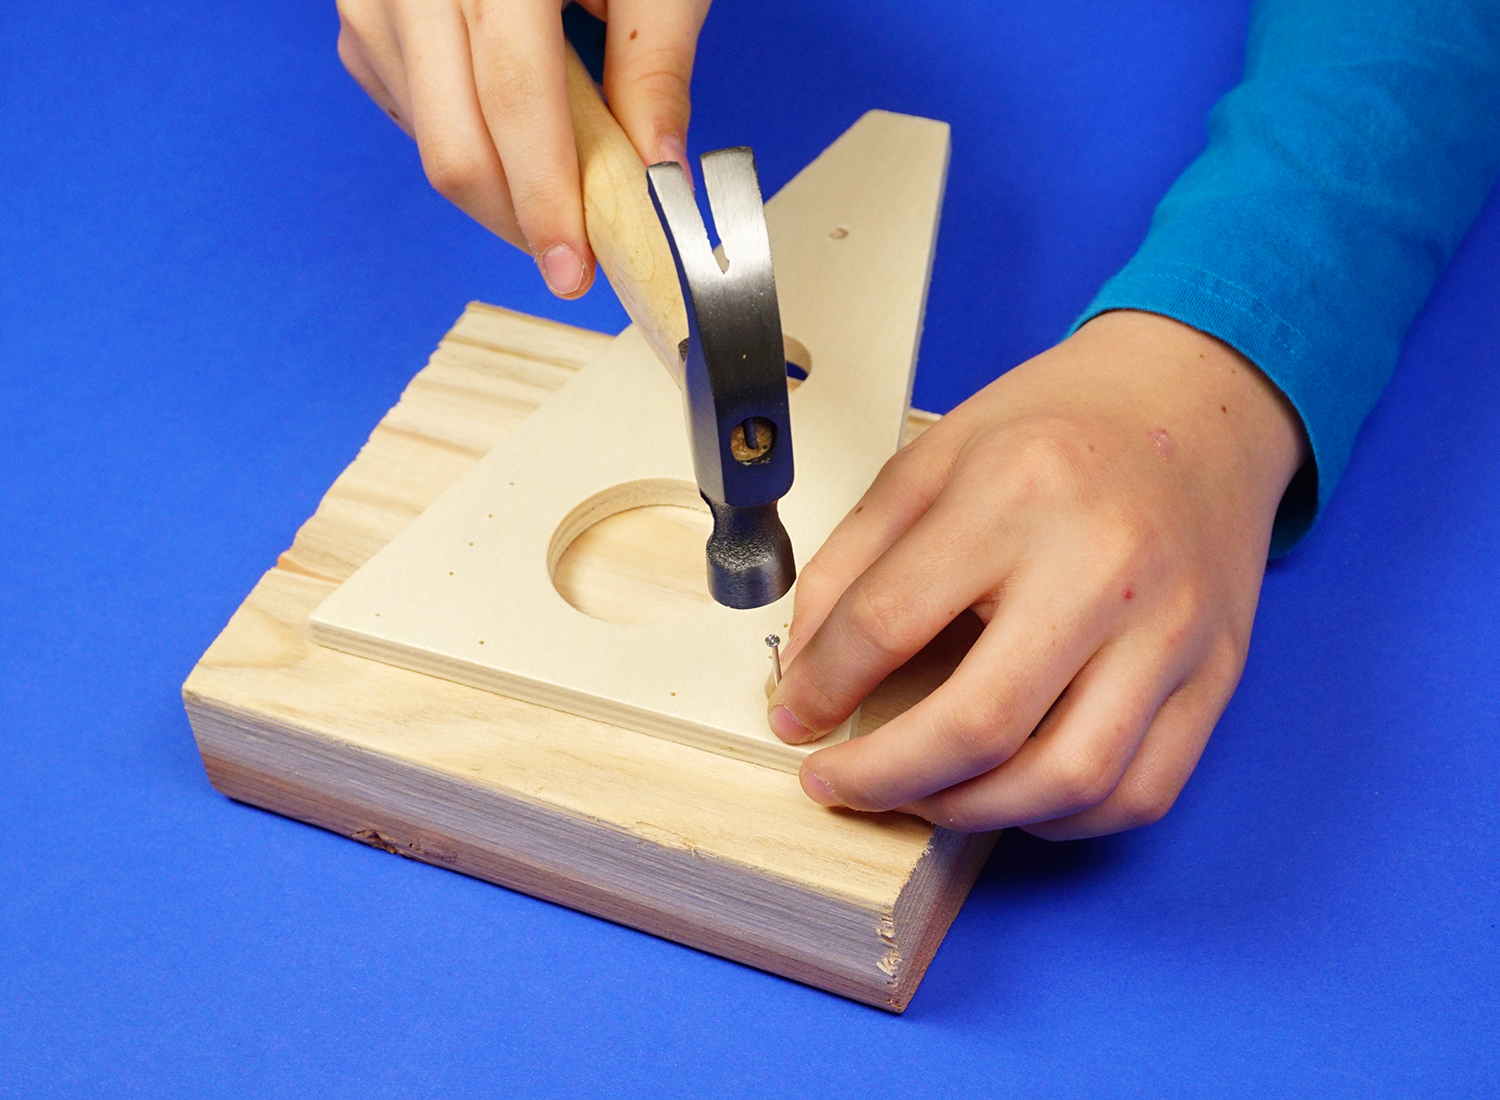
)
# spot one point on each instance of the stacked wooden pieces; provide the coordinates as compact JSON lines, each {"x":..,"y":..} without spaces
{"x":712,"y":852}
{"x":468,"y":591}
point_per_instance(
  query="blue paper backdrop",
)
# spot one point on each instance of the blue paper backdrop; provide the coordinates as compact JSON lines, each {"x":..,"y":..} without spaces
{"x":218,"y":266}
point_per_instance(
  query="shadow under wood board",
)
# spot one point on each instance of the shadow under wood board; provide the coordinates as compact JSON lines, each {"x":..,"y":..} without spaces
{"x":712,"y":852}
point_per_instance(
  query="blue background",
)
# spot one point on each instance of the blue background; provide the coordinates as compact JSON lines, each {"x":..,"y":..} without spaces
{"x":219,"y":264}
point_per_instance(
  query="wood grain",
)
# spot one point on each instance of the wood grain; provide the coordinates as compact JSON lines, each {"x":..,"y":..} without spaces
{"x":467,"y":592}
{"x":712,"y":852}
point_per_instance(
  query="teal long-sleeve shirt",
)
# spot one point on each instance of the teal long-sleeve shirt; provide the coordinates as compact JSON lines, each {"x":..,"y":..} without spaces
{"x":1338,"y":179}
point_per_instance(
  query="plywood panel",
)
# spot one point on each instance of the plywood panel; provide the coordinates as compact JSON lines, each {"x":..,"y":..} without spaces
{"x":466,"y":592}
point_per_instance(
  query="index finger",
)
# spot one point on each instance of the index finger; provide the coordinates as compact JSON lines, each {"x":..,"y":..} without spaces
{"x":519,"y":55}
{"x":930,"y":574}
{"x":903,"y":490}
{"x":648,"y":67}
{"x":1039,"y":638}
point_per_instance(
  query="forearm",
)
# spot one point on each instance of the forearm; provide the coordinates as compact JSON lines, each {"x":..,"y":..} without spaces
{"x":1338,"y":179}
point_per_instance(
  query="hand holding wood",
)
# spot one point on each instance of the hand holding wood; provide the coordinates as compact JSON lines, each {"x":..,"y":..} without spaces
{"x":1105,"y":509}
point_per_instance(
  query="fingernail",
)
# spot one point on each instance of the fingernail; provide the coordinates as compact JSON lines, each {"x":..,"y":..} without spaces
{"x":562,"y":269}
{"x":672,"y":147}
{"x":785,"y":726}
{"x":819,"y":791}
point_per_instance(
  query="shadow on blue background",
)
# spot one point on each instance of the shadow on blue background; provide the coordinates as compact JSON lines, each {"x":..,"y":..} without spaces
{"x":218,"y":267}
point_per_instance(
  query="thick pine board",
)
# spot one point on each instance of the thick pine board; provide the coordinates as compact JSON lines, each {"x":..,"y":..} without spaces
{"x":712,"y":852}
{"x":466,"y":592}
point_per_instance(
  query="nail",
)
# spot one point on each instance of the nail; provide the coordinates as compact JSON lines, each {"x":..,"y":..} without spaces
{"x":672,"y":147}
{"x":819,"y":791}
{"x":562,"y":269}
{"x":785,"y":726}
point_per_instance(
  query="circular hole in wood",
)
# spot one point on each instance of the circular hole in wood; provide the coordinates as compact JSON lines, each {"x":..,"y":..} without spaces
{"x":798,"y":361}
{"x":633,"y":554}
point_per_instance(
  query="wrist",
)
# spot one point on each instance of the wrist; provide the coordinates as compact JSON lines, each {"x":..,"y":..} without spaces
{"x":1209,"y":399}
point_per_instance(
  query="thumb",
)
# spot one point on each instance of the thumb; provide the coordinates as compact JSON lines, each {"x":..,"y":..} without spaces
{"x":648,"y":64}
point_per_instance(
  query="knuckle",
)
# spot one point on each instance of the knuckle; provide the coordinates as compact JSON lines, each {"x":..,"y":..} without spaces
{"x":454,"y":173}
{"x":352,"y":13}
{"x":539,"y":197}
{"x":1191,"y":605}
{"x":514,"y":86}
{"x":951,"y":818}
{"x":1123,"y":550}
{"x":1213,"y":681}
{"x":348,"y":50}
{"x":1121,"y":543}
{"x":915,"y":473}
{"x":1084,"y":777}
{"x":900,"y":470}
{"x":1225,"y":661}
{"x":661,"y":72}
{"x":1043,"y":466}
{"x":1185,"y":621}
{"x":978,"y":729}
{"x":881,"y":617}
{"x":817,"y":584}
{"x":957,"y":816}
{"x":1143,"y":804}
{"x":900,"y":464}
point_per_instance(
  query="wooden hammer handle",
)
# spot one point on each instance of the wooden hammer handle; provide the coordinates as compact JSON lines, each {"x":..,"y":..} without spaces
{"x":622,"y":224}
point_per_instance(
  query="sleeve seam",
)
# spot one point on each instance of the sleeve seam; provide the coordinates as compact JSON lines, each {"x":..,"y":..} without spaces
{"x":1208,"y":283}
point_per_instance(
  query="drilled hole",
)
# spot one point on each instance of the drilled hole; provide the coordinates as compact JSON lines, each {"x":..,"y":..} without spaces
{"x":634,"y":554}
{"x":798,"y":361}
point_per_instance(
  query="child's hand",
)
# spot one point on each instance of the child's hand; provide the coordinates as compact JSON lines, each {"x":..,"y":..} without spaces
{"x":1106,"y":509}
{"x":480,"y":85}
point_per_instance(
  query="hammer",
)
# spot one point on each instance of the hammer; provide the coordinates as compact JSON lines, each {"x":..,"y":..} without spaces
{"x":714,"y":324}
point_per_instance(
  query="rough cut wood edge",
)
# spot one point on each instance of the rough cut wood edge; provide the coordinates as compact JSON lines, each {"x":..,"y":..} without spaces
{"x":840,"y":908}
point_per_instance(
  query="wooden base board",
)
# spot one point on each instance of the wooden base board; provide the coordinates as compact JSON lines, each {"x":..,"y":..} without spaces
{"x":716,"y":853}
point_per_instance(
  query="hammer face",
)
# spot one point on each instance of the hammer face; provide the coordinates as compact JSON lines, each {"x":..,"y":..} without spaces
{"x":735,"y":372}
{"x":749,"y":556}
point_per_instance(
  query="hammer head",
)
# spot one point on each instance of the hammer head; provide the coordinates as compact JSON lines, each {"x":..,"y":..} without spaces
{"x":734,"y":367}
